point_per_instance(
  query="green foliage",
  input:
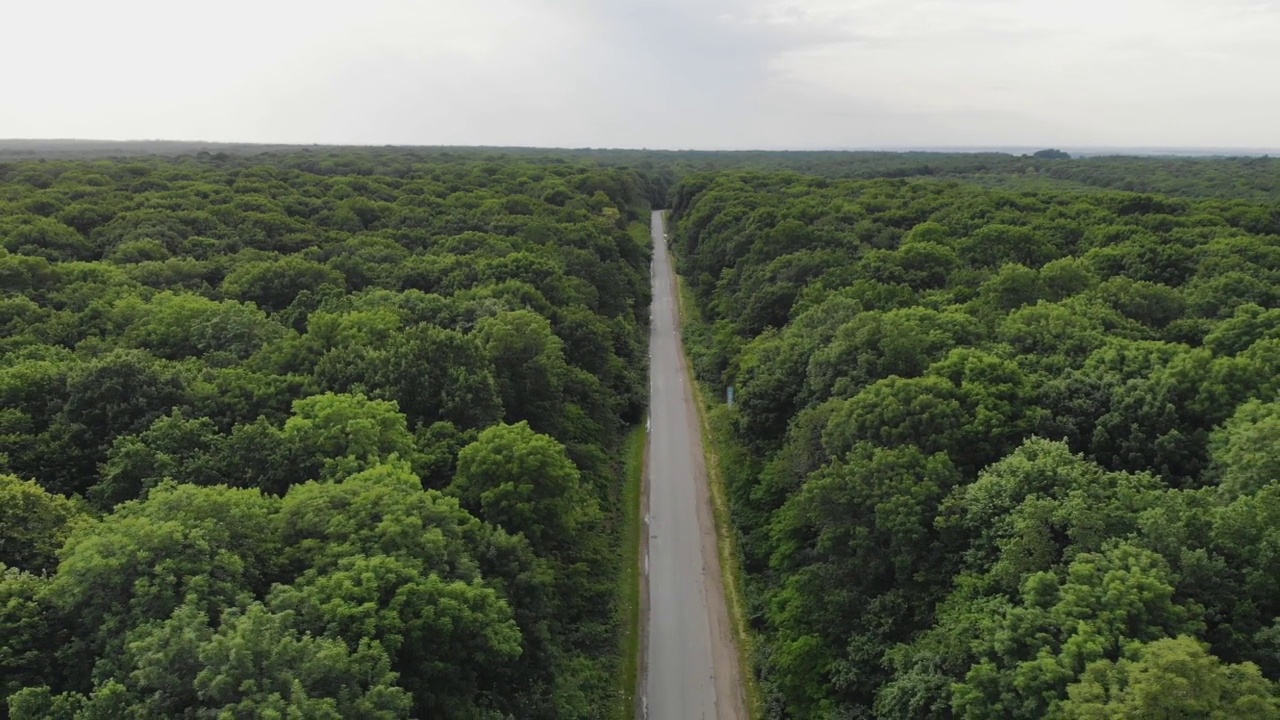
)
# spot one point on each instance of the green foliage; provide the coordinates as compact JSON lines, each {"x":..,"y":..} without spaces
{"x":857,"y":548}
{"x":225,"y":389}
{"x":1172,"y":677}
{"x":1247,"y":449}
{"x":33,"y":524}
{"x":1009,"y":453}
{"x":436,"y":374}
{"x":274,"y":284}
{"x":529,"y":365}
{"x":1058,"y":625}
{"x":349,"y":432}
{"x":255,"y":664}
{"x":524,"y":483}
{"x":28,"y":626}
{"x":349,"y":421}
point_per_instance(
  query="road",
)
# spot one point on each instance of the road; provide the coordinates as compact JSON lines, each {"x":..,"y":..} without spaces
{"x":690,"y":664}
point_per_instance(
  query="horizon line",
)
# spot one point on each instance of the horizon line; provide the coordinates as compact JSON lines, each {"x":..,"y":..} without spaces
{"x":940,"y":148}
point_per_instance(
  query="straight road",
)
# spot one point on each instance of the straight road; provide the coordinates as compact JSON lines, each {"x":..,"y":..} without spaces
{"x":690,"y":663}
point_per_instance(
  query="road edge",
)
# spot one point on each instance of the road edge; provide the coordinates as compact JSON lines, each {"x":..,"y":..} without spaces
{"x":750,"y":698}
{"x":640,"y":564}
{"x":640,"y":704}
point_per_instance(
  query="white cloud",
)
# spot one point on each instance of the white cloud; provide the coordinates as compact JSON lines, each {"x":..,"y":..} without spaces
{"x":657,"y":73}
{"x":1091,"y":71}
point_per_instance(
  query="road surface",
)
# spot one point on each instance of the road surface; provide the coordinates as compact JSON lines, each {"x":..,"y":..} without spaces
{"x":690,"y":664}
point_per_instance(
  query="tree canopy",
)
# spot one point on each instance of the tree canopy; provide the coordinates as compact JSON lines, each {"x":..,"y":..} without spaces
{"x":1003,"y":453}
{"x":327,"y":432}
{"x":326,"y":440}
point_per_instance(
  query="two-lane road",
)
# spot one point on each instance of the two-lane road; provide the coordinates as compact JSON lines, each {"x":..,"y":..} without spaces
{"x":692,"y":669}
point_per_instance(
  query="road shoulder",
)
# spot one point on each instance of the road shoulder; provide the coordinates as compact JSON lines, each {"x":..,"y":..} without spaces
{"x":734,"y":632}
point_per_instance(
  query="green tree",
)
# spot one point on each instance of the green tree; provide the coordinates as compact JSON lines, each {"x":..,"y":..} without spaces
{"x":274,"y":284}
{"x":343,"y":434}
{"x":173,"y":447}
{"x":33,"y":525}
{"x":1099,"y":609}
{"x":876,"y":345}
{"x":48,"y":238}
{"x":120,"y":393}
{"x":1065,"y":277}
{"x":29,"y":625}
{"x":143,"y":561}
{"x":1172,"y":677}
{"x":858,"y":557}
{"x":259,"y":665}
{"x":529,"y":366}
{"x":996,"y":244}
{"x":525,"y":483}
{"x":175,"y":326}
{"x":1246,"y":451}
{"x":436,"y":374}
{"x":447,"y":639}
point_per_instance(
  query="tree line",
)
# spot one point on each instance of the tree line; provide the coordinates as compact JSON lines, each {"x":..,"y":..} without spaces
{"x":320,"y":439}
{"x":1003,"y":454}
{"x":1254,"y":179}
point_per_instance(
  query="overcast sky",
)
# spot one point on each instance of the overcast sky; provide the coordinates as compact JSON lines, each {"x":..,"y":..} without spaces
{"x":647,"y":73}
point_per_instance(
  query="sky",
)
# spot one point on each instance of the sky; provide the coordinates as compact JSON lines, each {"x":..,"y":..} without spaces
{"x":674,"y":74}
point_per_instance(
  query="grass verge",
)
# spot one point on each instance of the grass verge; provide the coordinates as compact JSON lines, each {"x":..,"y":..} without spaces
{"x":639,"y":232}
{"x":628,"y":601}
{"x":715,"y":433}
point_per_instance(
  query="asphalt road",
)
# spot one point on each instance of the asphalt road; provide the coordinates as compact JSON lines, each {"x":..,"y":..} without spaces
{"x":690,"y":665}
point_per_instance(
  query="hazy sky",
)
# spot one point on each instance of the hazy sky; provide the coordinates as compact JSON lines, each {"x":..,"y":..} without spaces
{"x":651,"y":73}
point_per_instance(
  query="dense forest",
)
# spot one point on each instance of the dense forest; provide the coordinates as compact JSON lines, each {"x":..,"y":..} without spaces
{"x":1237,"y":178}
{"x":322,"y":439}
{"x":323,"y":432}
{"x":996,"y":453}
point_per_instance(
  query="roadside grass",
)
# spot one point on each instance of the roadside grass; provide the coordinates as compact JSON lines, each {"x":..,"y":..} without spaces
{"x":628,"y":600}
{"x":629,"y":604}
{"x":716,"y":446}
{"x":639,"y":232}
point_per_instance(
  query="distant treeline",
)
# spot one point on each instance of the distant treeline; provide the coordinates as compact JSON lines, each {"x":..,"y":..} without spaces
{"x":1244,"y":178}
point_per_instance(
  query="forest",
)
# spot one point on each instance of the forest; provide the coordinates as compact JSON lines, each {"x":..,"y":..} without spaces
{"x":282,"y":438}
{"x":998,"y":452}
{"x":1232,"y":178}
{"x":328,"y":433}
